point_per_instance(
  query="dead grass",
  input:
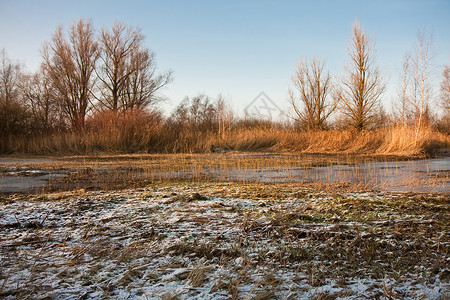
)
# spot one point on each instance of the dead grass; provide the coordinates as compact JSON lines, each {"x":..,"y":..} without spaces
{"x":261,"y":242}
{"x":396,"y":140}
{"x":404,"y":140}
{"x":141,"y":135}
{"x":170,"y":296}
{"x":198,"y":275}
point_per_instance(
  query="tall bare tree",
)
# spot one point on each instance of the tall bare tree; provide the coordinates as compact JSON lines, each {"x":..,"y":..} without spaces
{"x":70,"y":65}
{"x":117,"y":46}
{"x":143,"y":84}
{"x":445,"y":88}
{"x":39,"y":96}
{"x":127,"y":73}
{"x":421,"y":91}
{"x":314,"y":87}
{"x":224,"y":115}
{"x":444,"y":122}
{"x":13,"y":114}
{"x":401,"y":108}
{"x":361,"y":91}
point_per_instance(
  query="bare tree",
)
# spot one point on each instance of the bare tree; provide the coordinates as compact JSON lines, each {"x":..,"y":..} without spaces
{"x":401,"y":109}
{"x":197,"y":114}
{"x":143,"y":83}
{"x":314,"y":88}
{"x":117,"y":46}
{"x":70,"y":64}
{"x":444,"y":122}
{"x":40,"y":97}
{"x":445,"y":88}
{"x":13,"y":114}
{"x":127,"y":73}
{"x":224,"y":115}
{"x":421,"y":91}
{"x":361,"y":90}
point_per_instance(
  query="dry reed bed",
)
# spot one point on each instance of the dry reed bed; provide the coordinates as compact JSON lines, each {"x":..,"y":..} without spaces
{"x":395,"y":140}
{"x":221,"y":241}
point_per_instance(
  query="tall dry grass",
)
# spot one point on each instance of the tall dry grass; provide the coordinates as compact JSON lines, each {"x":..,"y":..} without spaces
{"x":144,"y":132}
{"x":404,"y":140}
{"x":395,"y":140}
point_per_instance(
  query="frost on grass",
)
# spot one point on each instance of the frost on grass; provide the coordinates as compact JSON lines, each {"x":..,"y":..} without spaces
{"x":222,"y":241}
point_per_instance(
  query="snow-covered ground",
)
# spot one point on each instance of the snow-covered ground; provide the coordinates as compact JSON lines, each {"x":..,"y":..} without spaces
{"x":222,"y":241}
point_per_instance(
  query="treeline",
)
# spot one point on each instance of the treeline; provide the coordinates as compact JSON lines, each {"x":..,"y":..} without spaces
{"x":356,"y":97}
{"x":82,"y":73}
{"x":97,"y":92}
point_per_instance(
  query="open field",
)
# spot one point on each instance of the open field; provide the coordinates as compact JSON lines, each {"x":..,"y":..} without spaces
{"x":224,"y":226}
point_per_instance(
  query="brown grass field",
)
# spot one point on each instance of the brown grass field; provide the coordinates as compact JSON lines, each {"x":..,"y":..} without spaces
{"x":139,"y":138}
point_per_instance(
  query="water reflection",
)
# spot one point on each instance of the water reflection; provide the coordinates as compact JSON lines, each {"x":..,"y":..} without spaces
{"x":426,"y":175}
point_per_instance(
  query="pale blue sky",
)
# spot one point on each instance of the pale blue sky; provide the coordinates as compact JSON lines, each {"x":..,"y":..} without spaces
{"x":239,"y":48}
